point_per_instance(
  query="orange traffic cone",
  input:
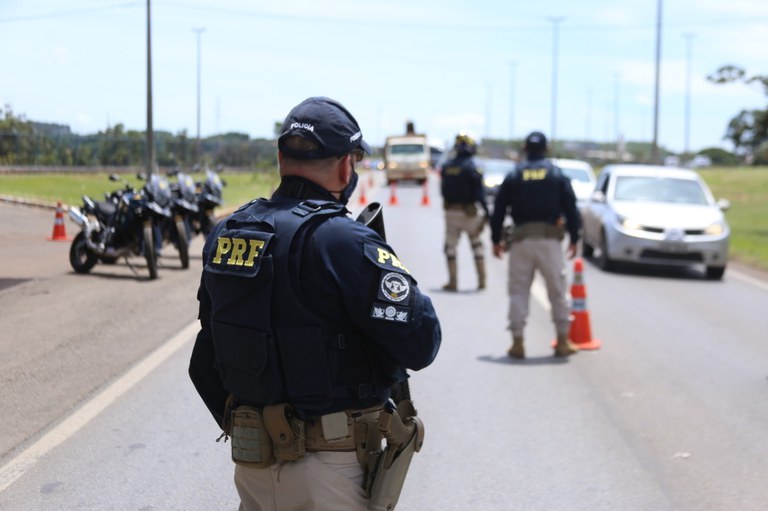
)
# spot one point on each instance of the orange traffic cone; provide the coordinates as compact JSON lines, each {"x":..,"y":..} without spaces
{"x":425,"y":194}
{"x":580,"y":332}
{"x":362,"y":200}
{"x":59,"y":230}
{"x":393,"y":194}
{"x":370,"y":179}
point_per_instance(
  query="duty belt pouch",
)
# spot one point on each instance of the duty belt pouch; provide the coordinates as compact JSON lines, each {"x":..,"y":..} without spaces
{"x":286,"y":431}
{"x":251,"y":445}
{"x":470,"y":209}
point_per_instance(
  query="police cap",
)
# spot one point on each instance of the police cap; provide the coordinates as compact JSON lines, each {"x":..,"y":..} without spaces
{"x":325,"y":122}
{"x":536,"y":140}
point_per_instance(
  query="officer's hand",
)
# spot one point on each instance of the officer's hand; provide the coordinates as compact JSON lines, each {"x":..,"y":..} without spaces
{"x":498,"y":249}
{"x":572,"y":250}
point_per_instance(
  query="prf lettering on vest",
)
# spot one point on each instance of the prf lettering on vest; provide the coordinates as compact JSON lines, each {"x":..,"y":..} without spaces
{"x":385,"y":255}
{"x":237,"y":251}
{"x":534,"y":174}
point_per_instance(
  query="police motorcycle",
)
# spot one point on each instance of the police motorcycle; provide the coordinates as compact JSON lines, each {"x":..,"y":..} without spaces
{"x":184,"y":210}
{"x":120,"y":226}
{"x":209,"y":197}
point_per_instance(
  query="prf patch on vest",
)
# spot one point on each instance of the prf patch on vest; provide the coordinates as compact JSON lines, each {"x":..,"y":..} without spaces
{"x":238,"y":253}
{"x":534,"y":174}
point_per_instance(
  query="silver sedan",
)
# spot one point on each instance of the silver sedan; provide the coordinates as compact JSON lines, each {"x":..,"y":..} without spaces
{"x":655,"y":215}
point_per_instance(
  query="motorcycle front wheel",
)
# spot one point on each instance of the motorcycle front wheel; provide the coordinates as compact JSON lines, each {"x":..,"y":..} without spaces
{"x":182,"y":243}
{"x":81,"y":257}
{"x":149,"y":250}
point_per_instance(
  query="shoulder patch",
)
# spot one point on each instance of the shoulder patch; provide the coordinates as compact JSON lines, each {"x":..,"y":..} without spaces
{"x":384,"y":259}
{"x":389,"y":312}
{"x":394,"y":287}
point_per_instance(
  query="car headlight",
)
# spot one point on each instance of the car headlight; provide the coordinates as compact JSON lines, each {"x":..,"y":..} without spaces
{"x":715,"y":229}
{"x":392,"y":165}
{"x":629,"y":224}
{"x":491,"y":181}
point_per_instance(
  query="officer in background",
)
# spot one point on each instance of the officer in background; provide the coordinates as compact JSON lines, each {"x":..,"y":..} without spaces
{"x":537,"y":196}
{"x":462,"y":190}
{"x":307,"y":319}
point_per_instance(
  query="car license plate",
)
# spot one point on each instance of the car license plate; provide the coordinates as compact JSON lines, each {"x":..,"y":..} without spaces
{"x":674,"y":247}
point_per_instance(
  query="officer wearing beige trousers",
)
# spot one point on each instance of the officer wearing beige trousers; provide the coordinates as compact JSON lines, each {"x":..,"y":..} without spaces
{"x":542,"y":205}
{"x":307,"y":320}
{"x":462,"y":190}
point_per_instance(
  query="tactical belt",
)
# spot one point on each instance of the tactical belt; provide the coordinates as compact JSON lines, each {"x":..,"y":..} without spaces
{"x":273,"y":433}
{"x":469,"y":208}
{"x":537,"y":230}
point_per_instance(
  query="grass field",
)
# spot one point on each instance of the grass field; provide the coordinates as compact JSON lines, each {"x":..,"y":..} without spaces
{"x":745,"y":187}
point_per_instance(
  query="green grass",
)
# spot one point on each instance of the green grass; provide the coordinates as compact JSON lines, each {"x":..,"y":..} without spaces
{"x":747,"y":190}
{"x":240,"y":187}
{"x":745,"y":187}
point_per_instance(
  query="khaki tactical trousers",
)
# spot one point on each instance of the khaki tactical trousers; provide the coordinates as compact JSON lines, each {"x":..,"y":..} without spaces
{"x":320,"y":481}
{"x":525,"y":257}
{"x":458,"y":221}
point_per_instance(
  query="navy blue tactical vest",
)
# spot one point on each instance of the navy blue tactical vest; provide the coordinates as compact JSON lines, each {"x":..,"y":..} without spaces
{"x":270,"y":347}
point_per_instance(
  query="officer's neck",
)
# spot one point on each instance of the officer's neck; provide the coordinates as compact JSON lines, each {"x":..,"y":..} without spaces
{"x":298,"y":187}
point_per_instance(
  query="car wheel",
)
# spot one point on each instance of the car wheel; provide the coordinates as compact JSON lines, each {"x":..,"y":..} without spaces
{"x":604,"y":261}
{"x":715,"y":272}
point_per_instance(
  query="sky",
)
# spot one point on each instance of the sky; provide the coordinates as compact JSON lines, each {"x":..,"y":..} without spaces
{"x":495,"y":68}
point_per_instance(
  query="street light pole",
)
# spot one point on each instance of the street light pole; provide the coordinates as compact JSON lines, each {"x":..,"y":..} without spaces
{"x":689,"y":54}
{"x":655,"y":143}
{"x":555,"y":25}
{"x":198,"y":31}
{"x":512,"y":66}
{"x":150,"y":156}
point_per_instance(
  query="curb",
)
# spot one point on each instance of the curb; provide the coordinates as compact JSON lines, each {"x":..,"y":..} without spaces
{"x":32,"y":202}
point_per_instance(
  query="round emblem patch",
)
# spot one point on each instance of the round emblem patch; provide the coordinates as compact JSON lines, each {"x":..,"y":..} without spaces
{"x":395,"y":287}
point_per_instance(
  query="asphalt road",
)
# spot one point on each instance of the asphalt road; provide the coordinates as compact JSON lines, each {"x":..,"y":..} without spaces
{"x":670,"y":414}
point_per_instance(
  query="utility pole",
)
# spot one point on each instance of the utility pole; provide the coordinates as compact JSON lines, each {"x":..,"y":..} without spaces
{"x":555,"y":25}
{"x":512,"y":68}
{"x":655,"y":143}
{"x":199,"y":155}
{"x":616,"y":103}
{"x":689,"y":57}
{"x":150,"y":157}
{"x":488,"y":111}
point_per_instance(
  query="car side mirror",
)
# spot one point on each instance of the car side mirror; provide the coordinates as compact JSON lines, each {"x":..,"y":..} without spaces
{"x":724,"y":204}
{"x":597,"y":196}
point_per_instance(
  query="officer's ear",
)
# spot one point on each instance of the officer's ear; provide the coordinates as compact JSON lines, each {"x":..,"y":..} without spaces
{"x":345,"y":168}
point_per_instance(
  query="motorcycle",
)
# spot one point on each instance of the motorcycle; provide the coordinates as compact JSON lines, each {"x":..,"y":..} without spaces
{"x":118,"y":227}
{"x":177,"y":229}
{"x":209,"y":196}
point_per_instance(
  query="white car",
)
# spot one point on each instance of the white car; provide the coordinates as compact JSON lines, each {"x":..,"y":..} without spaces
{"x":655,"y":215}
{"x":582,"y":178}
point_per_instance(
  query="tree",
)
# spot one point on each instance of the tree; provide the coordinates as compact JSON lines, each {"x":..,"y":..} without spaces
{"x":748,"y":130}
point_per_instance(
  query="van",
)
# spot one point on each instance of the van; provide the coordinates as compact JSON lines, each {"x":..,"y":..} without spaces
{"x":406,"y":158}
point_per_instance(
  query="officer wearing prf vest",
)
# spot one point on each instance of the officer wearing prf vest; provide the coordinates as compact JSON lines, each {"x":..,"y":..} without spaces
{"x":538,"y":197}
{"x":307,"y":320}
{"x":462,"y":189}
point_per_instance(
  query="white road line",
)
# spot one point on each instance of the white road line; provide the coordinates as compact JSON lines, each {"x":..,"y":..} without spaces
{"x":83,"y":415}
{"x":746,"y":278}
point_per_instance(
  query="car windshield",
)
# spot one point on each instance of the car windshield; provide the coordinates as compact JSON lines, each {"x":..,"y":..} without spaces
{"x":496,"y":167}
{"x":406,"y":149}
{"x":655,"y":189}
{"x":577,"y":174}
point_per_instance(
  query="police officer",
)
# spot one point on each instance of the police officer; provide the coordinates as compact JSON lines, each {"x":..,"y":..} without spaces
{"x":307,"y":320}
{"x":539,"y":198}
{"x":462,"y":190}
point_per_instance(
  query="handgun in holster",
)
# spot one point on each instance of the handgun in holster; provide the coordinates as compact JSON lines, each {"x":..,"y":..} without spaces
{"x":387,"y":469}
